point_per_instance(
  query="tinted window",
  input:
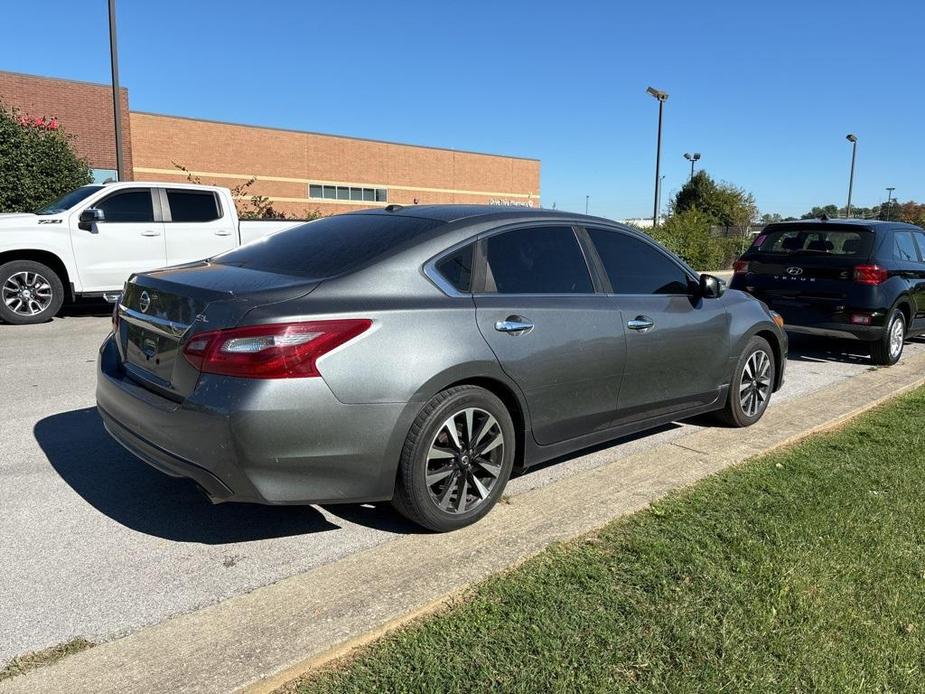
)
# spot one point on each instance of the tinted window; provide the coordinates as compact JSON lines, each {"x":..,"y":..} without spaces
{"x":192,"y":206}
{"x":855,"y":244}
{"x":128,"y":206}
{"x":920,"y":240}
{"x":67,"y":201}
{"x":542,"y":260}
{"x":637,"y":267}
{"x":330,"y":246}
{"x":457,"y":268}
{"x":904,"y":246}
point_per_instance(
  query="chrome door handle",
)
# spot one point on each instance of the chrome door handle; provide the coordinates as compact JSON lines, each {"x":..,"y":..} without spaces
{"x":513,"y":326}
{"x":640,"y":323}
{"x":223,"y":233}
{"x":150,"y":233}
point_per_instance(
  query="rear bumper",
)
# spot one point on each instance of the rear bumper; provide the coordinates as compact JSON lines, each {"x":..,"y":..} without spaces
{"x":284,"y":441}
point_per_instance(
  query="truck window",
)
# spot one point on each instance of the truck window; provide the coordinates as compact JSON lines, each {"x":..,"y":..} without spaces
{"x":68,"y":200}
{"x":128,"y":206}
{"x":193,"y":206}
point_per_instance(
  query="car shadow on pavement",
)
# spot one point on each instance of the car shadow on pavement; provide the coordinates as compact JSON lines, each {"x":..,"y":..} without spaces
{"x":124,"y":488}
{"x":816,"y":349}
{"x":85,"y":307}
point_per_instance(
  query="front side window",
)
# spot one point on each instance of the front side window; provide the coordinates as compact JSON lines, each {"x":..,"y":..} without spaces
{"x":192,"y":206}
{"x":68,"y":200}
{"x":636,"y":267}
{"x":128,"y":206}
{"x":904,"y":246}
{"x":538,"y":260}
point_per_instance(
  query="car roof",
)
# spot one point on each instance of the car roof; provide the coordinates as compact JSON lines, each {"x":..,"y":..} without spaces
{"x":872,"y":224}
{"x":477,"y":213}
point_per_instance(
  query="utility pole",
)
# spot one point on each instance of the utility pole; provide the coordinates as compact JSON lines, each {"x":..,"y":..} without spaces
{"x":116,"y":96}
{"x":662,"y":98}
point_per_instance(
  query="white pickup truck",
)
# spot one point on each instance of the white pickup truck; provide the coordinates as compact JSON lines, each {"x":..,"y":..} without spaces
{"x":88,"y":242}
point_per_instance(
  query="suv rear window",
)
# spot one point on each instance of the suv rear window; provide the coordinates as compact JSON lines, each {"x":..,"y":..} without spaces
{"x":330,"y":246}
{"x":838,"y":242}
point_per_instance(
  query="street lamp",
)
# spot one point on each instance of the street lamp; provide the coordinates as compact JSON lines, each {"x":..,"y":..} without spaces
{"x":116,"y":100}
{"x":889,"y":202}
{"x":853,"y":139}
{"x":587,"y":198}
{"x":661,"y":181}
{"x":692,"y":158}
{"x":662,"y":98}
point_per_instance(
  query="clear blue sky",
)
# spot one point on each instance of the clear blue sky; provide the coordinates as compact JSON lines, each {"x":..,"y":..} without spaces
{"x":766,"y":90}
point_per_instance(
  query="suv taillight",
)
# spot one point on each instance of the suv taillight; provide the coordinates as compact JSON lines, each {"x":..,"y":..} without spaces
{"x":870,"y":274}
{"x":279,"y":350}
{"x":740,"y":267}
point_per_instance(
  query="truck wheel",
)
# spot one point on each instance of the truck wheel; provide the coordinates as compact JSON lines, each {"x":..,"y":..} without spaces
{"x":29,"y":292}
{"x":889,"y":348}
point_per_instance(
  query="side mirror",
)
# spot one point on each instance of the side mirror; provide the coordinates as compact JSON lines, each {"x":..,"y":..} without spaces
{"x":711,"y":287}
{"x":89,"y":217}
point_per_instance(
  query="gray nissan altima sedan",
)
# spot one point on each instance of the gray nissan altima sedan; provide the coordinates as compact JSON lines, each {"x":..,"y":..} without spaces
{"x":420,"y":354}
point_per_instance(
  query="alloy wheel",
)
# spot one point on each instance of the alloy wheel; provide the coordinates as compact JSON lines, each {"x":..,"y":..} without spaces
{"x":464,"y":460}
{"x":897,"y":336}
{"x":755,"y":386}
{"x":26,"y":293}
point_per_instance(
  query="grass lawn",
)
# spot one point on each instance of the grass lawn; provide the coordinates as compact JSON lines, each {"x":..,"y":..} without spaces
{"x":803,"y":570}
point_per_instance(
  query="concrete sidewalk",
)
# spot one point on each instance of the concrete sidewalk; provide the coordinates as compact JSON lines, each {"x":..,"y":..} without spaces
{"x":262,"y":639}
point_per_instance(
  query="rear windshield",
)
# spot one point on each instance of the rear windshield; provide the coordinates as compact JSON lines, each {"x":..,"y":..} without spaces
{"x":846,"y":243}
{"x":331,"y":246}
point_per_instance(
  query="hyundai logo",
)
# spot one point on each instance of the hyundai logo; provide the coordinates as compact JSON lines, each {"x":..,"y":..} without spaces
{"x":790,"y":271}
{"x":144,"y":302}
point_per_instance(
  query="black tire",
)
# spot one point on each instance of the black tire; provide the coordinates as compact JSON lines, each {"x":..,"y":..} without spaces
{"x":420,"y":502}
{"x":884,"y":352}
{"x":735,"y":413}
{"x":44,"y":290}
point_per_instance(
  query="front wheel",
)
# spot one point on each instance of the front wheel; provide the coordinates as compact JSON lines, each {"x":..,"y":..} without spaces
{"x":456,"y":460}
{"x":30,"y":292}
{"x":752,"y":384}
{"x":889,"y":348}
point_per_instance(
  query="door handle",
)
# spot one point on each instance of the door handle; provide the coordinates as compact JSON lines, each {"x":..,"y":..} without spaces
{"x":150,"y":233}
{"x":641,"y":324}
{"x":223,"y":233}
{"x":514,"y":325}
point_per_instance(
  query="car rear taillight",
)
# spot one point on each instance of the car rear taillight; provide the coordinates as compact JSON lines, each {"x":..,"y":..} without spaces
{"x":870,"y":274}
{"x":740,"y":267}
{"x":279,"y":350}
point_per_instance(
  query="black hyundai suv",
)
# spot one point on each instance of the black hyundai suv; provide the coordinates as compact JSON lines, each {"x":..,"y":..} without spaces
{"x":855,"y":279}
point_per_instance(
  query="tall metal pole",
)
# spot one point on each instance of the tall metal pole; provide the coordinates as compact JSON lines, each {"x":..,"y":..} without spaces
{"x":116,"y":97}
{"x":587,"y":198}
{"x":661,"y":181}
{"x":854,"y":148}
{"x":889,"y":203}
{"x":692,"y":169}
{"x":658,"y":163}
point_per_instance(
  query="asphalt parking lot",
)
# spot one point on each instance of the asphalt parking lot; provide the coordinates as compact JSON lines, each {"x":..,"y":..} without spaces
{"x":94,"y":543}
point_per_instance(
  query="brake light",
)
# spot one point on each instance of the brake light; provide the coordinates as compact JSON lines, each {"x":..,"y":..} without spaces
{"x":740,"y":267}
{"x":279,"y":350}
{"x":870,"y":274}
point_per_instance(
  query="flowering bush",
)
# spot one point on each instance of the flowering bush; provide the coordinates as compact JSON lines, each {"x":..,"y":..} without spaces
{"x":37,"y":161}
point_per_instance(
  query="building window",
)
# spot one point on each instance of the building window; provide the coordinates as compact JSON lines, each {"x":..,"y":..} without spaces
{"x":104,"y":175}
{"x":318,"y":191}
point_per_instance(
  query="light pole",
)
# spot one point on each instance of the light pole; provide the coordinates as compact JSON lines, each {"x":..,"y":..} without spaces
{"x":116,"y":100}
{"x":662,"y":98}
{"x":658,"y":204}
{"x":853,"y":139}
{"x":587,"y":199}
{"x":889,"y":202}
{"x":692,"y":158}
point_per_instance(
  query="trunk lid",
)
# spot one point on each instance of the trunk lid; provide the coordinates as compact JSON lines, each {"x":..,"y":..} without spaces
{"x":161,"y":310}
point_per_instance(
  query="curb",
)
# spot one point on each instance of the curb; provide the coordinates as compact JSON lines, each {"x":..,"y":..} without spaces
{"x":259,"y":641}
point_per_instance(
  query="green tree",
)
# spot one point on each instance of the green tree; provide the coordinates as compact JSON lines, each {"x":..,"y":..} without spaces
{"x":725,"y":204}
{"x":37,"y":162}
{"x":689,"y":235}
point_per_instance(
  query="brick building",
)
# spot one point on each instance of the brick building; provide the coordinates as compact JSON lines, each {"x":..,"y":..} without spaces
{"x":299,"y":171}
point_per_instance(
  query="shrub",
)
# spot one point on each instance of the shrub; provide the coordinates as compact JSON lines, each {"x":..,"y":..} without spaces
{"x":37,"y":162}
{"x":689,"y":235}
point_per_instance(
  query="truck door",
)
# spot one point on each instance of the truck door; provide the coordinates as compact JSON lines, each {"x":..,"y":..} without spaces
{"x":126,"y":240}
{"x":196,"y":225}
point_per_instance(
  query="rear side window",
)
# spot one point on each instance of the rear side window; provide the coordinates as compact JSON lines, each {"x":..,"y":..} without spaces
{"x":636,"y":267}
{"x":456,"y":268}
{"x":904,"y":246}
{"x":848,"y":243}
{"x":128,"y":206}
{"x":330,"y":246}
{"x":537,"y":260}
{"x":192,"y":206}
